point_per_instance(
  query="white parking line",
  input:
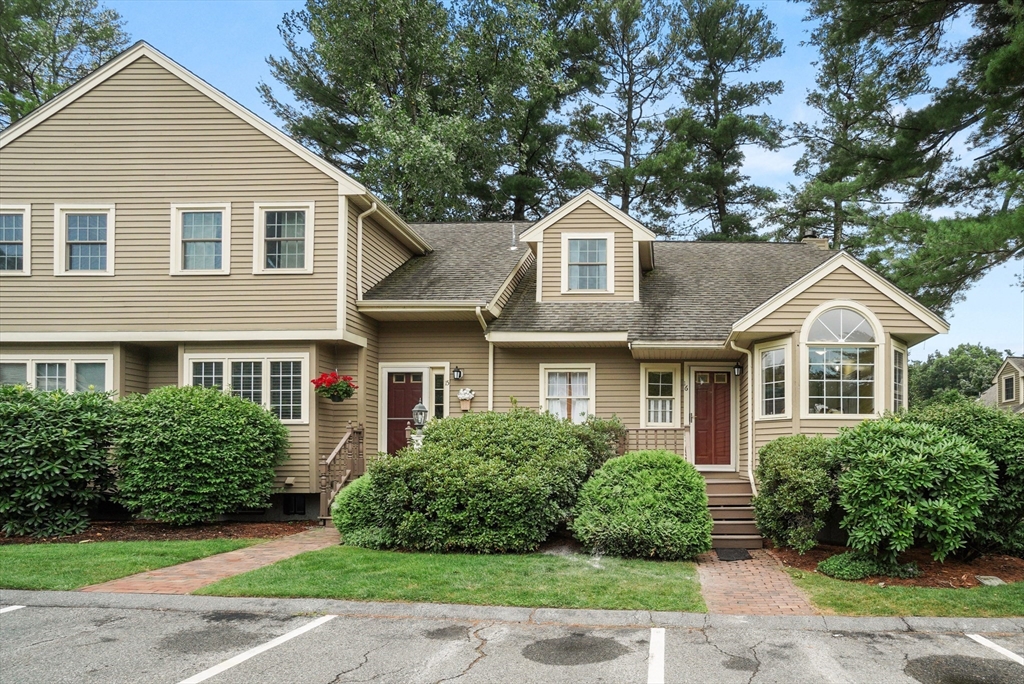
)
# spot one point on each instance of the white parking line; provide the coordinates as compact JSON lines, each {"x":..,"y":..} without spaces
{"x":656,"y":659}
{"x":242,"y":657}
{"x":8,"y":609}
{"x":997,"y":648}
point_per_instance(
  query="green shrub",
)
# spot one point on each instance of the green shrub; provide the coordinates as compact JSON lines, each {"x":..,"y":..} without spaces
{"x":601,"y":437}
{"x":855,"y":565}
{"x":482,"y":482}
{"x":1001,"y":435}
{"x":188,"y":454}
{"x":796,"y":489}
{"x":647,"y":504}
{"x":904,"y":481}
{"x":54,"y":459}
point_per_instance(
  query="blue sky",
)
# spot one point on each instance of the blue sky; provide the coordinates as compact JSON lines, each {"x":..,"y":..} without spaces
{"x":226,"y":42}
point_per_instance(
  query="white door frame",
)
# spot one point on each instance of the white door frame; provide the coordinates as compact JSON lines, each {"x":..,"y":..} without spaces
{"x":428,"y":390}
{"x":688,"y":403}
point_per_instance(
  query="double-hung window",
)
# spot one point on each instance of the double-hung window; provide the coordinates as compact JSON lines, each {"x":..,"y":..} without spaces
{"x":200,"y":239}
{"x":660,"y":392}
{"x":1008,"y":388}
{"x":283,"y":238}
{"x":841,"y":370}
{"x":48,"y":373}
{"x":15,"y":240}
{"x":774,"y":383}
{"x":899,"y":375}
{"x":588,"y":262}
{"x":568,"y":391}
{"x":275,"y":381}
{"x":84,"y":240}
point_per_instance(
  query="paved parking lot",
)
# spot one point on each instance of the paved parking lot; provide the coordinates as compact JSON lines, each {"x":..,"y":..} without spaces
{"x":65,"y":637}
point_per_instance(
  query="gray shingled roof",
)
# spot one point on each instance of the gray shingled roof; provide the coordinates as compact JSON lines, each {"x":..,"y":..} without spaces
{"x":696,"y":292}
{"x":470,"y":262}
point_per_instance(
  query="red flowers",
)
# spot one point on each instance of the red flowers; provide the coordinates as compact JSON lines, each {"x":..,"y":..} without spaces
{"x":333,"y":386}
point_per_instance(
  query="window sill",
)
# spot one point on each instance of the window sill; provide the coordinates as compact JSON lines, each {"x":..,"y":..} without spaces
{"x":283,"y":271}
{"x":14,"y":274}
{"x":588,"y":292}
{"x":838,"y":416}
{"x":87,"y":274}
{"x":197,"y":272}
{"x":774,"y":419}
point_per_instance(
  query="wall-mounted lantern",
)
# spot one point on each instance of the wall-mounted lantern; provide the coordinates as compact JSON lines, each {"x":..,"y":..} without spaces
{"x":737,"y":370}
{"x":456,"y":373}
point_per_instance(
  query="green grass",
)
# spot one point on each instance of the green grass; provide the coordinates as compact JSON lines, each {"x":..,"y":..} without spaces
{"x":70,"y":566}
{"x":854,"y":598}
{"x":344,"y":572}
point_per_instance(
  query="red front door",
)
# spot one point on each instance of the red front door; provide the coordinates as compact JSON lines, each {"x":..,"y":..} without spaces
{"x":405,"y":390}
{"x":712,"y":418}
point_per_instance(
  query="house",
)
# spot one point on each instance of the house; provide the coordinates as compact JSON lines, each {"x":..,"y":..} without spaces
{"x":155,"y":232}
{"x":1007,"y":386}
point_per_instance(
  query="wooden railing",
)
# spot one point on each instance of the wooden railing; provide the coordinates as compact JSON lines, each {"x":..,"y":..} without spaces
{"x":670,"y":439}
{"x":345,"y":463}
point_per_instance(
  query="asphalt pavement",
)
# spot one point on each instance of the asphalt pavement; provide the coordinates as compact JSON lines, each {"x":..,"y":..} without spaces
{"x":110,"y":638}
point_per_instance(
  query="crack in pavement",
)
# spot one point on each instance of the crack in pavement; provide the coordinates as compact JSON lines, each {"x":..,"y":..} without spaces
{"x":480,"y":651}
{"x":366,"y":659}
{"x":757,"y":661}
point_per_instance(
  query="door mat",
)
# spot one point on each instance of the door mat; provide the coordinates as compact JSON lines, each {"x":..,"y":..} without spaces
{"x":732,"y":554}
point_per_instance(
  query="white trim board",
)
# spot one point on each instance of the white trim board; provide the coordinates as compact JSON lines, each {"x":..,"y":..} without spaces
{"x":536,"y":231}
{"x":183,"y":336}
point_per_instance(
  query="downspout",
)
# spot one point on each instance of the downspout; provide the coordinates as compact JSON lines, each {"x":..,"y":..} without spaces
{"x":480,"y":318}
{"x":750,"y":414}
{"x":359,"y":250}
{"x":490,"y":361}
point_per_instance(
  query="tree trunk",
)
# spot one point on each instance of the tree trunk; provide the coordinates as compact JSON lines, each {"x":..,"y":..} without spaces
{"x":837,"y":223}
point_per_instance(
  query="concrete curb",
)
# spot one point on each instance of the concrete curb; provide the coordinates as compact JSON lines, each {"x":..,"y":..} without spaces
{"x":546,"y":616}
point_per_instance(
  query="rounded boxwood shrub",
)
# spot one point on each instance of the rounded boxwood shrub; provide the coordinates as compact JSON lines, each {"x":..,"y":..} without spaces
{"x":54,"y":459}
{"x":903,"y":482}
{"x":186,"y":455}
{"x":646,"y":504}
{"x":481,"y":482}
{"x":855,"y":565}
{"x":796,"y":490}
{"x":1001,"y":435}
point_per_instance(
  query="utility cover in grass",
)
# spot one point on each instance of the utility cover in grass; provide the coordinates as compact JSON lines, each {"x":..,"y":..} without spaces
{"x":646,"y":504}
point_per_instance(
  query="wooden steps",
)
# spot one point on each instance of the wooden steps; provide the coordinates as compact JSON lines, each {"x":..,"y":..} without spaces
{"x":729,"y":503}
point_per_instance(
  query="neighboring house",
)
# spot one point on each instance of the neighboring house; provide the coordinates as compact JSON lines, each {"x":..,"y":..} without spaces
{"x":158,"y":233}
{"x":1007,"y":391}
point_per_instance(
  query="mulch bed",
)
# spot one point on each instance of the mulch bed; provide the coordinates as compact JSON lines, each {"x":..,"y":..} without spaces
{"x":152,"y":531}
{"x":951,"y":573}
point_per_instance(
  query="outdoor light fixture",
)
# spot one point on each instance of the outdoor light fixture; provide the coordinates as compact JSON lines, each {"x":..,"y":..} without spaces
{"x":456,"y":373}
{"x":419,"y":415}
{"x":737,"y":369}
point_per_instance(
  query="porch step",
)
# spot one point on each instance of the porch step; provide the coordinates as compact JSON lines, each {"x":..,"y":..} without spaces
{"x":731,"y":512}
{"x":728,"y":500}
{"x":729,"y":487}
{"x":732,"y":528}
{"x":736,"y":541}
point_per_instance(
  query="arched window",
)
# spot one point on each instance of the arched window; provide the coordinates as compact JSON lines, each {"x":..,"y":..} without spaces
{"x":841,"y":347}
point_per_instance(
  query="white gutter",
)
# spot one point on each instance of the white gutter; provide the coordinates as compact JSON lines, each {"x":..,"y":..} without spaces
{"x":750,"y":415}
{"x":359,"y":250}
{"x":480,"y":317}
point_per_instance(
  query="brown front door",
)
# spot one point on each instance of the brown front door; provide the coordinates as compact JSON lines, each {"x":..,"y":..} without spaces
{"x":405,"y":390}
{"x":712,"y":418}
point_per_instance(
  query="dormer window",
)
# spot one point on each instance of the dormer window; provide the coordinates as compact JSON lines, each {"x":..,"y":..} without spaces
{"x":587,"y":262}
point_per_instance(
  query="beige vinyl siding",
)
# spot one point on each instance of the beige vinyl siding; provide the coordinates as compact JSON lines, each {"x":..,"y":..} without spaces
{"x":460,"y":344}
{"x":143,"y":140}
{"x":743,"y":416}
{"x":616,"y":387}
{"x":841,"y":284}
{"x":333,"y":418}
{"x":134,"y":370}
{"x":382,"y":254}
{"x":370,"y":389}
{"x":162,"y":368}
{"x":587,"y":219}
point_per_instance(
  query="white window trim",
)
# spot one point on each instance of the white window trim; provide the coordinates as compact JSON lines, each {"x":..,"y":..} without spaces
{"x":32,"y":359}
{"x":787,"y":346}
{"x":900,"y":347}
{"x":689,"y":396}
{"x":26,"y":236}
{"x":428,"y":369}
{"x":259,"y":247}
{"x":610,"y":252}
{"x":226,"y":359}
{"x":590,"y":368}
{"x":1002,"y":388}
{"x":60,"y":243}
{"x":881,"y":377}
{"x":177,"y":254}
{"x":677,"y":400}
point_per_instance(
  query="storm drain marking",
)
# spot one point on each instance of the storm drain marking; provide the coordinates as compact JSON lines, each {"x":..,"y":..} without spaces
{"x":242,"y":657}
{"x":656,"y":659}
{"x":997,"y":648}
{"x":8,"y":609}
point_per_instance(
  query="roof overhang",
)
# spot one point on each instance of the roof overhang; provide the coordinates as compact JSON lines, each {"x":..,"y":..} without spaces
{"x":640,"y":231}
{"x":502,"y":338}
{"x":393,"y":223}
{"x":417,"y":310}
{"x":175,"y":336}
{"x":690,"y":350}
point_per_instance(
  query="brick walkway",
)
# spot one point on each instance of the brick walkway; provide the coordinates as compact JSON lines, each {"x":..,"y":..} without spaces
{"x":187,"y":577}
{"x":758,"y":586}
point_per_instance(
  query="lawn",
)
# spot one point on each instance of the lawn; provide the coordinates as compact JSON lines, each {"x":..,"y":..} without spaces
{"x":70,"y":566}
{"x":576,"y":581}
{"x":854,"y":598}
